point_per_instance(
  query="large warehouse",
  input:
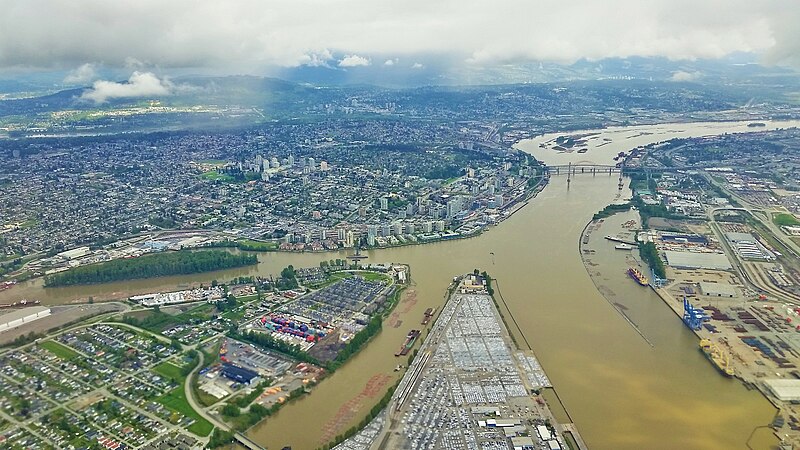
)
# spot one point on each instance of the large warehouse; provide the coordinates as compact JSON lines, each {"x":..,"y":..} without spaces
{"x":718,"y":290}
{"x":693,"y":260}
{"x":783,"y":389}
{"x":18,"y":317}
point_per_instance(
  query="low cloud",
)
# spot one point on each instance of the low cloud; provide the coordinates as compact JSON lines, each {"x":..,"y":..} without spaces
{"x":140,"y":84}
{"x":389,"y":62}
{"x":417,"y":65}
{"x":317,"y":59}
{"x":682,"y":75}
{"x":256,"y":34}
{"x":354,"y":61}
{"x":82,"y":75}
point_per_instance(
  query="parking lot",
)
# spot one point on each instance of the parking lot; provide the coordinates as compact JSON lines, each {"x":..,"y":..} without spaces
{"x":475,"y":391}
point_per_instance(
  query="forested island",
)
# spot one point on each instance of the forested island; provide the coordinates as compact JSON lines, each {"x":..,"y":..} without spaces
{"x":182,"y":262}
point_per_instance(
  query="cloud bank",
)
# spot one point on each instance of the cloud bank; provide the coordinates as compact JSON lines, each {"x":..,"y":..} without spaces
{"x":82,"y":75}
{"x":682,"y":75}
{"x":354,"y":61}
{"x":140,"y":84}
{"x":242,"y":34}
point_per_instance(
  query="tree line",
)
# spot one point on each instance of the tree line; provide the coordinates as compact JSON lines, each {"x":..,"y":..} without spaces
{"x":649,"y":254}
{"x":182,"y":262}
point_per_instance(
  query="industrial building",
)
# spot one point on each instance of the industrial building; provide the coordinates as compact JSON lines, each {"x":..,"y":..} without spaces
{"x":694,"y":260}
{"x":784,"y":389}
{"x":75,"y":253}
{"x":522,"y":443}
{"x":238,"y":374}
{"x":748,"y":247}
{"x":684,"y":238}
{"x":22,"y":316}
{"x":718,"y":290}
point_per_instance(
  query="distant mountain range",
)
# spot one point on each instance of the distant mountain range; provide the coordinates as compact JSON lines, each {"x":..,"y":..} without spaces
{"x":736,"y":79}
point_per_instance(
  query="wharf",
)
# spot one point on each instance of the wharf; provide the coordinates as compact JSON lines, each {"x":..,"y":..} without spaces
{"x":573,"y":431}
{"x":622,"y":240}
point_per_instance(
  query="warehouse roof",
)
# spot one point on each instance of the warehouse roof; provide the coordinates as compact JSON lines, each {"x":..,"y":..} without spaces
{"x":786,"y":390}
{"x":693,"y":260}
{"x":22,"y":312}
{"x":237,"y":373}
{"x":718,"y":290}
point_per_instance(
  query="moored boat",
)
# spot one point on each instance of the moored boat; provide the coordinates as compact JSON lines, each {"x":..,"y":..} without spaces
{"x":411,"y":338}
{"x":637,"y":276}
{"x":718,"y":358}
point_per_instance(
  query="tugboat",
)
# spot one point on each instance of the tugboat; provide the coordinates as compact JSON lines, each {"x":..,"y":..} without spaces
{"x":428,"y":315}
{"x":637,"y":276}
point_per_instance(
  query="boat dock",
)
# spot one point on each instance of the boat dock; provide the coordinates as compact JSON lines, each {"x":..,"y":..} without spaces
{"x":622,"y":240}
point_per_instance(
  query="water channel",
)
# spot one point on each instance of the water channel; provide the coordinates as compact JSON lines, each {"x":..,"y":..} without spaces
{"x":622,"y":391}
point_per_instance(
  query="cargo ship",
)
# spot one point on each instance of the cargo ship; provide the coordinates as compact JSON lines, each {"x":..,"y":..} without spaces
{"x":408,"y":344}
{"x":428,"y":315}
{"x":718,"y":358}
{"x":637,"y":276}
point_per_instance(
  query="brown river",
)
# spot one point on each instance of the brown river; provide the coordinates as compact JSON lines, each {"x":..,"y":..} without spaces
{"x":623,"y":391}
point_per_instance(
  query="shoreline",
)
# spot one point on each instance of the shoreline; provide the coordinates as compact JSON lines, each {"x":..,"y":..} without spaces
{"x":510,"y":210}
{"x":677,"y":308}
{"x":620,"y":311}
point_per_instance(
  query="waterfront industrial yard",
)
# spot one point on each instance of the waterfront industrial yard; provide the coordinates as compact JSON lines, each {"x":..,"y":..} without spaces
{"x":468,"y":388}
{"x":756,"y":335}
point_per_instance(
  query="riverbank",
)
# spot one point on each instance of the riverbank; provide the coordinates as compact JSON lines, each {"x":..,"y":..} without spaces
{"x":606,"y":266}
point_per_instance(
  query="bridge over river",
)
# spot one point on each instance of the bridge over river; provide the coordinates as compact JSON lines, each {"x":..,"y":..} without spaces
{"x":595,"y":169}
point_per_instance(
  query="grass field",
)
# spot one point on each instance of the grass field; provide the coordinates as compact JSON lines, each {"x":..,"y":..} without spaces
{"x":213,"y":175}
{"x":373,"y":276}
{"x":783,"y":219}
{"x":9,"y":257}
{"x":59,"y":350}
{"x":170,"y":371}
{"x":156,"y":322}
{"x":450,"y":180}
{"x":258,"y":246}
{"x":176,"y":401}
{"x":30,"y":223}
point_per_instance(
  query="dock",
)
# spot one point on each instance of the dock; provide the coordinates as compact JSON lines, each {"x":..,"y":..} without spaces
{"x":622,"y":240}
{"x":572,"y":430}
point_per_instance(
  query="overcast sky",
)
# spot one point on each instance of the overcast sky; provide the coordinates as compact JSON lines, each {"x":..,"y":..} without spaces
{"x":245,"y":35}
